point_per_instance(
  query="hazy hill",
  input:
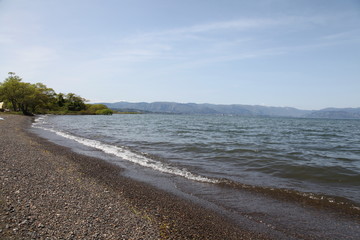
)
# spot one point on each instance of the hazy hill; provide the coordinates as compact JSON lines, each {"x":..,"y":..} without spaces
{"x":336,"y":113}
{"x":236,"y":109}
{"x":193,"y":108}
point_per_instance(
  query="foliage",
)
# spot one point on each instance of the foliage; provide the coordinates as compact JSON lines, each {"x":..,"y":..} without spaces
{"x":104,"y":112}
{"x":37,"y":98}
{"x":95,"y":107}
{"x":98,"y":109}
{"x":25,"y":97}
{"x":74,"y":102}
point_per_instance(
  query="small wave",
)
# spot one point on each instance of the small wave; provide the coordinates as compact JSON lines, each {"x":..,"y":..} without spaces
{"x":39,"y":120}
{"x":335,"y":203}
{"x":130,"y":156}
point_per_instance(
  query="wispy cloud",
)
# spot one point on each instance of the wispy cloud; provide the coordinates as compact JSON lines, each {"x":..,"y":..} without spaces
{"x":240,"y":24}
{"x":345,"y":35}
{"x":177,"y":48}
{"x":186,"y":42}
{"x":196,"y":32}
{"x":210,"y":42}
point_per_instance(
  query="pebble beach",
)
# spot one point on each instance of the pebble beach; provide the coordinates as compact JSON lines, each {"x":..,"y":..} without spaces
{"x":49,"y":192}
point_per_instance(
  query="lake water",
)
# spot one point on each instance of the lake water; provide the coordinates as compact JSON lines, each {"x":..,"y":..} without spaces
{"x":237,"y":164}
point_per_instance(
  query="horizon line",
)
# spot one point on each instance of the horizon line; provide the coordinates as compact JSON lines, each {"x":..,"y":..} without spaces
{"x":224,"y":104}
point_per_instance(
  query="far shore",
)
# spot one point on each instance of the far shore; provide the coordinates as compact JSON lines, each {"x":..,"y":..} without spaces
{"x":48,"y":191}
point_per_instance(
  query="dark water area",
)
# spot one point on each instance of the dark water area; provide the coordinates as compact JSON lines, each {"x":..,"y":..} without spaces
{"x":281,"y":173}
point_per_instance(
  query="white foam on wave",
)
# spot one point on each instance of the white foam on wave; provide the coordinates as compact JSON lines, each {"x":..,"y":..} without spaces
{"x":39,"y":120}
{"x":130,"y":156}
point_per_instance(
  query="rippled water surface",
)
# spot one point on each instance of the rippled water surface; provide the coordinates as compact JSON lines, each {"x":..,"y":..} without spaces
{"x":308,"y":155}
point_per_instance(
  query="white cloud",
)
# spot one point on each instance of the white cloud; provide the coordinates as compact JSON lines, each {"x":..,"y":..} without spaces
{"x":182,"y":43}
{"x":193,"y":45}
{"x":195,"y":32}
{"x":345,"y":35}
{"x":235,"y":25}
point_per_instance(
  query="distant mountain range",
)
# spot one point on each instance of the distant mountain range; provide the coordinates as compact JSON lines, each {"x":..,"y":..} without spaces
{"x":336,"y":113}
{"x":235,"y":109}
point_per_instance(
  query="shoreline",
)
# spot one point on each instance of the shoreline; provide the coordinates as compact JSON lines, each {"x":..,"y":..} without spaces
{"x":50,"y":191}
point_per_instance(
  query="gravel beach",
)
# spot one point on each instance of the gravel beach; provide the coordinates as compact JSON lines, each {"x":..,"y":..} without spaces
{"x":49,"y":192}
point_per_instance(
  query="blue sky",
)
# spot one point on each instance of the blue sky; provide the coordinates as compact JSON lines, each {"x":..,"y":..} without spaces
{"x":296,"y":53}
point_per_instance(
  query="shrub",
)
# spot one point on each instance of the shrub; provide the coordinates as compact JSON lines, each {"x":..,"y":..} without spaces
{"x":95,"y":107}
{"x":104,"y":112}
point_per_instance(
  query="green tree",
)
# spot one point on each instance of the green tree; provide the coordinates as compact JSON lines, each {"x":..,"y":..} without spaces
{"x":75,"y":102}
{"x":38,"y":98}
{"x":10,"y":91}
{"x":26,"y":97}
{"x":45,"y":99}
{"x":104,"y":112}
{"x":19,"y":96}
{"x":92,"y":108}
{"x":60,"y":100}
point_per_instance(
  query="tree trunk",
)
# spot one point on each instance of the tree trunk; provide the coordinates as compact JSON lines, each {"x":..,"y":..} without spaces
{"x":25,"y":111}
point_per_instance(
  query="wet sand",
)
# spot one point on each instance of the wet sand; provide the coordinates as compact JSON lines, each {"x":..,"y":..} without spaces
{"x":49,"y":192}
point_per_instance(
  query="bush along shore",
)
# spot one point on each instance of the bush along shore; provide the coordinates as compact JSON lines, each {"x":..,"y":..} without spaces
{"x":30,"y":99}
{"x":49,"y":192}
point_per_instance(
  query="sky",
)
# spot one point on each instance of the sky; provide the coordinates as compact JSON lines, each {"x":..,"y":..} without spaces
{"x":294,"y":53}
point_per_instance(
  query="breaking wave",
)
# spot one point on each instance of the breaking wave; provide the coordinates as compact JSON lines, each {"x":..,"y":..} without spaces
{"x":128,"y":155}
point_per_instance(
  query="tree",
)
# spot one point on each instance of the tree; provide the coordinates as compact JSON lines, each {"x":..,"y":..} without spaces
{"x":26,"y":97}
{"x":37,"y":98}
{"x":60,"y":100}
{"x":10,"y":91}
{"x":92,"y":108}
{"x":18,"y":95}
{"x":104,"y":112}
{"x":45,"y":98}
{"x":75,"y":102}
